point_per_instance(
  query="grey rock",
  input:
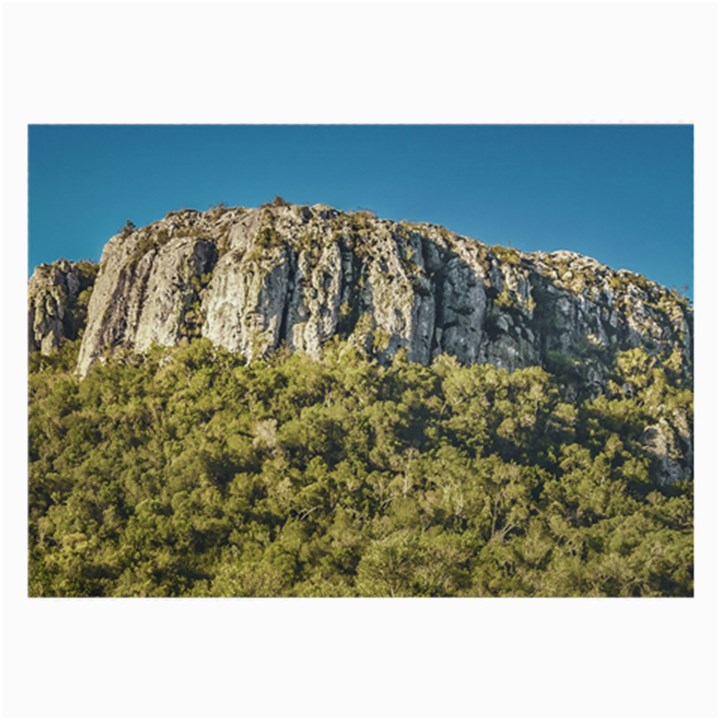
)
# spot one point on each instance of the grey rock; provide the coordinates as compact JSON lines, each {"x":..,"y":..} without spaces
{"x":663,"y":443}
{"x":251,"y":279}
{"x":148,"y":280}
{"x":57,"y":303}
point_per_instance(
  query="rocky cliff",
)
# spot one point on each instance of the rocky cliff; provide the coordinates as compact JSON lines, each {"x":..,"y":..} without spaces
{"x":58,"y":296}
{"x":250,"y":279}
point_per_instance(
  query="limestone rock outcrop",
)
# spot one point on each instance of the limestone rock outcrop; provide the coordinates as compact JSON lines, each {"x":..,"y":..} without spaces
{"x":147,"y":291}
{"x":250,"y":279}
{"x":58,"y":295}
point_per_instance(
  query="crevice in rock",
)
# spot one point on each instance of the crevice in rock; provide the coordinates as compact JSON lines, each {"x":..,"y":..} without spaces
{"x":292,"y":262}
{"x":351,"y":291}
{"x":437,"y":280}
{"x":200,"y":266}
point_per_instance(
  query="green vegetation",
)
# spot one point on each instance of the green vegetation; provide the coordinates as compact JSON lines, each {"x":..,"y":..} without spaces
{"x":190,"y":472}
{"x":381,"y":340}
{"x":507,"y":255}
{"x":127,"y":229}
{"x":359,"y":221}
{"x":193,"y":318}
{"x":152,"y":238}
{"x":88,"y":270}
{"x":268,"y":238}
{"x":504,"y":299}
{"x":144,"y":245}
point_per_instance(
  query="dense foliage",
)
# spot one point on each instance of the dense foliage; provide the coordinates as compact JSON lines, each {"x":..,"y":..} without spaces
{"x":188,"y":472}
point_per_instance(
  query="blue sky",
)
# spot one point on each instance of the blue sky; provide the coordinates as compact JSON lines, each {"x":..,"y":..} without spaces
{"x":621,"y":194}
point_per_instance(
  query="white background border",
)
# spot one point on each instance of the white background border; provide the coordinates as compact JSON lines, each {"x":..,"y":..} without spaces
{"x":403,"y":62}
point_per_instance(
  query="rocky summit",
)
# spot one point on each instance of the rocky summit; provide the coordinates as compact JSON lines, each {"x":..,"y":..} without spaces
{"x":252,"y":279}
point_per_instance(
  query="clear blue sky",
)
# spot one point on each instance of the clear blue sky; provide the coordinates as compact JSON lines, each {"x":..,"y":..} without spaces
{"x":622,"y":194}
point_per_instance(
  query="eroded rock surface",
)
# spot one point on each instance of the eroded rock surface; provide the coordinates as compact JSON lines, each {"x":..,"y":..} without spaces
{"x":58,"y":296}
{"x":251,"y":279}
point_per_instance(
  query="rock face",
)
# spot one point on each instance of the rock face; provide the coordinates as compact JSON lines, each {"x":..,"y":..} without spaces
{"x":58,"y":295}
{"x":251,"y":279}
{"x":670,"y":446}
{"x":147,"y":291}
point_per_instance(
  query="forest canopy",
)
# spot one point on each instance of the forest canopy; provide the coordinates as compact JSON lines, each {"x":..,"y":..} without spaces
{"x":189,"y":472}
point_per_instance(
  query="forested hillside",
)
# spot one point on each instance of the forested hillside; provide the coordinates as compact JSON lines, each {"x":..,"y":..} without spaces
{"x":189,"y":471}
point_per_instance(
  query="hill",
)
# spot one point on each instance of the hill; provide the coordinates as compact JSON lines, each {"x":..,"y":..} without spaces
{"x":292,"y":400}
